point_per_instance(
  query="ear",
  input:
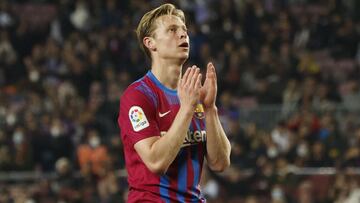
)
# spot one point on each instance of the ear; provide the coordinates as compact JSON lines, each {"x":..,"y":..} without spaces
{"x":149,"y":43}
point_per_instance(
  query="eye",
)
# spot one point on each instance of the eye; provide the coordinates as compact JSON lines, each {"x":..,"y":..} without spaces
{"x":172,"y":29}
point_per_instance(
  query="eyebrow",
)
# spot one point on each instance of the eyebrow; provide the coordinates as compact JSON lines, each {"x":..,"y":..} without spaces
{"x":177,"y":26}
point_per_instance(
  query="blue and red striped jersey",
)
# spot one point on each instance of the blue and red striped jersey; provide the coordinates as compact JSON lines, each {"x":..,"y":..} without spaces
{"x":148,"y":108}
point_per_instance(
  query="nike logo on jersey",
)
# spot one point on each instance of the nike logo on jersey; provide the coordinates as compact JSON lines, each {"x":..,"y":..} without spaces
{"x":163,"y":114}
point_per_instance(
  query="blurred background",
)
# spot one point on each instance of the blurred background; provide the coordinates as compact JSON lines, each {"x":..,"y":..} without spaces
{"x":289,"y":97}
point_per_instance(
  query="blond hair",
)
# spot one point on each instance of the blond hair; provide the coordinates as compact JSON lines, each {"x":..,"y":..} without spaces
{"x":147,"y":27}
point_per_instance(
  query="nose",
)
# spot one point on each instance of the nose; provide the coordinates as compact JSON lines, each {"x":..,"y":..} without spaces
{"x":183,"y":33}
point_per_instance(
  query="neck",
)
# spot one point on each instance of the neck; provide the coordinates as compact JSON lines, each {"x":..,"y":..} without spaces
{"x":167,"y":72}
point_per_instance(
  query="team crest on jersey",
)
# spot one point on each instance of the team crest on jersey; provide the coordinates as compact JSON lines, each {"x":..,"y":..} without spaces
{"x":199,"y":111}
{"x":137,"y":118}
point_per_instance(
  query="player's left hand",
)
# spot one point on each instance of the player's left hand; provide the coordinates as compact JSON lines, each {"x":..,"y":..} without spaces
{"x":209,"y":89}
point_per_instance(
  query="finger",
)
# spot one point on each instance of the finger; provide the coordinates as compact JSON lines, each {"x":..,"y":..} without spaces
{"x":212,"y":76}
{"x":185,"y":76}
{"x":189,"y":76}
{"x":198,"y":81}
{"x":191,"y":73}
{"x":212,"y":67}
{"x":210,"y":72}
{"x":208,"y":69}
{"x":194,"y":77}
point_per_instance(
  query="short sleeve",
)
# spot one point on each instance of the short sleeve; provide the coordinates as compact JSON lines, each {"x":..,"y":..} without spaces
{"x":137,"y":117}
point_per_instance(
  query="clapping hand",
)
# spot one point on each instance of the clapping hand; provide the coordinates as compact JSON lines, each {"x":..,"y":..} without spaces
{"x":208,"y":90}
{"x":189,"y":87}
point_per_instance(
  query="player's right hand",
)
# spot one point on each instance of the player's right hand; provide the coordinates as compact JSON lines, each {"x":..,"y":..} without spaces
{"x":189,"y":88}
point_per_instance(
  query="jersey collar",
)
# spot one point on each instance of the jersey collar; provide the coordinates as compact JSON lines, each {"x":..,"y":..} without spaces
{"x":159,"y":84}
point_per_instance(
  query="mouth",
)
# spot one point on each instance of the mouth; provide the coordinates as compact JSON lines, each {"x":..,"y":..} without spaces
{"x":184,"y":45}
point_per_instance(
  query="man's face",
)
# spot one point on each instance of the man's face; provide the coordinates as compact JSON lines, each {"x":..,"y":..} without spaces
{"x":171,"y":40}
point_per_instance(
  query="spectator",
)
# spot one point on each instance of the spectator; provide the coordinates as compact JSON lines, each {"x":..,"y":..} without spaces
{"x":65,"y":185}
{"x":92,"y":155}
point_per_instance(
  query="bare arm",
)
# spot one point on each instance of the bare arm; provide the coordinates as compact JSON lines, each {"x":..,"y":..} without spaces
{"x":159,"y":152}
{"x":218,"y":146}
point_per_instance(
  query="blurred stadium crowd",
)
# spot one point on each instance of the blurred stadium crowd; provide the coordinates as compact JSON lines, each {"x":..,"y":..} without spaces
{"x":64,"y":65}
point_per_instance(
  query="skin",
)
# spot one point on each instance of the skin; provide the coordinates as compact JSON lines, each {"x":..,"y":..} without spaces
{"x":167,"y":60}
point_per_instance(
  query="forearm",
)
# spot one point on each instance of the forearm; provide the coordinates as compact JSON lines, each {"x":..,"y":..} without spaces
{"x":218,"y":146}
{"x":165,"y":149}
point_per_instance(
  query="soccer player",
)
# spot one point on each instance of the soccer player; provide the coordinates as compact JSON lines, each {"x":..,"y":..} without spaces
{"x":169,"y":122}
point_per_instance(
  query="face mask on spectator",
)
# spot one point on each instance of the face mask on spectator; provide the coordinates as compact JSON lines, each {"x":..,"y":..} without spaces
{"x":18,"y":137}
{"x":94,"y":142}
{"x":30,"y":201}
{"x":302,"y":150}
{"x":277,"y":194}
{"x":34,"y":76}
{"x":10,"y":119}
{"x":55,"y":131}
{"x":272,"y":152}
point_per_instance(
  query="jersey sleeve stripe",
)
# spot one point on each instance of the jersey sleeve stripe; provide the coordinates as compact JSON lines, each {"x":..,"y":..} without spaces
{"x":144,"y":88}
